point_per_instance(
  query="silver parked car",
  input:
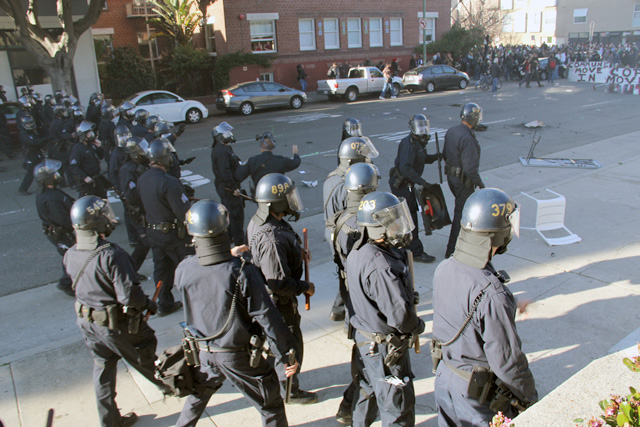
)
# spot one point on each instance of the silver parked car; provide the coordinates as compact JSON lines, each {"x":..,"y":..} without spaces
{"x":250,"y":96}
{"x":434,"y":77}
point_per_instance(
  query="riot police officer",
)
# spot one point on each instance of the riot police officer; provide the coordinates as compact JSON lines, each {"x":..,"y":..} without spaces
{"x":360,"y":180}
{"x":165,"y":204}
{"x":25,"y":109}
{"x":119,"y":153}
{"x":226,"y":299}
{"x":126,"y":114}
{"x":54,"y":209}
{"x":109,"y":305}
{"x":352,"y":150}
{"x":84,"y":162}
{"x":93,"y":110}
{"x":5,"y":138}
{"x":106,"y":130}
{"x":384,"y":318}
{"x":276,"y":250}
{"x":461,"y":153}
{"x":130,"y":171}
{"x":224,"y":163}
{"x":32,"y":150}
{"x":266,"y":162}
{"x":470,"y":297}
{"x":139,"y":129}
{"x":406,"y":179}
{"x":47,"y":111}
{"x":163,"y":129}
{"x":61,"y":131}
{"x":351,"y":127}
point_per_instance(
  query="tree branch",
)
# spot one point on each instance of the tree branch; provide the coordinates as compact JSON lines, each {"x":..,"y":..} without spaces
{"x":90,"y":18}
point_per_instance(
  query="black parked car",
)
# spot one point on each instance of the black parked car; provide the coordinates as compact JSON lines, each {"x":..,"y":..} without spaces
{"x":434,"y":77}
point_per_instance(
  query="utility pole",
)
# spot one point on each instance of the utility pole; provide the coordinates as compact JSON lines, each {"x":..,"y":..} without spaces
{"x":424,"y":33}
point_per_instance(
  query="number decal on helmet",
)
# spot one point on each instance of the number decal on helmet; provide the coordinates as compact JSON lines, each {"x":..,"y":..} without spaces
{"x":280,"y":188}
{"x":501,"y":209}
{"x":96,"y":207}
{"x":357,"y":146}
{"x":367,"y":204}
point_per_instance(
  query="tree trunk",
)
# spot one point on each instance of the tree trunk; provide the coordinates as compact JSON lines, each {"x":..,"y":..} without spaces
{"x":61,"y":78}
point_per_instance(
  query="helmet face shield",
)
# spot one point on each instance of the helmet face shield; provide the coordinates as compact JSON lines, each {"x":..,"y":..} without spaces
{"x":353,"y":128}
{"x":122,"y":138}
{"x":514,"y":219}
{"x":222,"y":128}
{"x":365,"y":147}
{"x":294,"y":200}
{"x":396,"y":220}
{"x":420,"y":127}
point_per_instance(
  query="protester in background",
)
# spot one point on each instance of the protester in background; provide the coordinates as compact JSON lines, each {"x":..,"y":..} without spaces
{"x":334,"y":71}
{"x":302,"y":77}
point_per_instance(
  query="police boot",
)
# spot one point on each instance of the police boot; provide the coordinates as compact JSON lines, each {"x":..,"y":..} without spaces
{"x":128,"y":419}
{"x":344,"y":416}
{"x":424,"y":257}
{"x":302,"y":397}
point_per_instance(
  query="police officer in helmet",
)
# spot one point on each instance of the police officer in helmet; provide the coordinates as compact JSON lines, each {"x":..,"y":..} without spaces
{"x":384,"y":318}
{"x":32,"y":150}
{"x":226,"y":299}
{"x":224,"y":163}
{"x":139,"y":128}
{"x":119,"y":155}
{"x":165,"y":204}
{"x":110,"y":306}
{"x":352,"y":150}
{"x":84,"y":162}
{"x":351,"y":127}
{"x":276,"y":250}
{"x":106,"y":130}
{"x":359,"y":180}
{"x":126,"y":114}
{"x":461,"y":153}
{"x":406,"y":176}
{"x":464,"y":285}
{"x":54,"y":207}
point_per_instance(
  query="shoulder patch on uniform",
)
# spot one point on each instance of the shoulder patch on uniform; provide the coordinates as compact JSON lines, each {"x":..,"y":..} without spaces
{"x":184,"y":198}
{"x":132,"y":184}
{"x":73,"y":162}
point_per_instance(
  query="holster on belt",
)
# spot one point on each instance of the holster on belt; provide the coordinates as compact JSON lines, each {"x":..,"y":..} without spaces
{"x":396,"y":179}
{"x":457,"y":172}
{"x":256,"y":350}
{"x":134,"y":319}
{"x":396,"y":347}
{"x":191,"y":348}
{"x":436,"y":353}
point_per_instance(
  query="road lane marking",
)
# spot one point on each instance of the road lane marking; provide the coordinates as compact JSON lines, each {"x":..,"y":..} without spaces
{"x":498,"y":121}
{"x":599,"y":103}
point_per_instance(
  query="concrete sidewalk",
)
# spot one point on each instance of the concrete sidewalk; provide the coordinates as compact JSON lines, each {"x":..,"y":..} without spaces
{"x":585,"y":302}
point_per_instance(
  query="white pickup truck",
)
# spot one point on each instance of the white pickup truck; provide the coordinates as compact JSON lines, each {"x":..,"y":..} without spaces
{"x":362,"y":80}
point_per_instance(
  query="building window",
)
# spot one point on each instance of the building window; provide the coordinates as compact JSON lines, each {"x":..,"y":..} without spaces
{"x":549,"y":21}
{"x":507,"y":23}
{"x":533,"y":23}
{"x":580,"y":16}
{"x":148,"y":47}
{"x":266,"y":77}
{"x":375,"y":32}
{"x":331,"y":34}
{"x":636,"y":15}
{"x":520,"y":22}
{"x":307,"y":34}
{"x":263,"y":36}
{"x":354,"y":35}
{"x":395,"y":31}
{"x":506,"y":4}
{"x":430,"y":31}
{"x":103,"y":44}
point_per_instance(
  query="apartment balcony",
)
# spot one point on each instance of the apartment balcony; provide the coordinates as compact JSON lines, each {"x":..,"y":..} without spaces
{"x":139,"y":9}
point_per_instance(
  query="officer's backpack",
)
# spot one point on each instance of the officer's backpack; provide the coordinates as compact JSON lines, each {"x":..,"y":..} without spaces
{"x":173,"y":370}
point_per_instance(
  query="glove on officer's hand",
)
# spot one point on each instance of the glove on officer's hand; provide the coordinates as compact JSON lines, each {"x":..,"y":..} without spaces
{"x":311,"y":290}
{"x":180,"y":129}
{"x":187,"y":161}
{"x":419,"y":329}
{"x":416,"y":298}
{"x":152,"y":306}
{"x":189,"y":191}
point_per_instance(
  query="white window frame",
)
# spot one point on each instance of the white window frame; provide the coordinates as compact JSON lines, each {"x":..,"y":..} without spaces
{"x":376,"y":32}
{"x":266,"y":77}
{"x":395,"y":31}
{"x":354,"y":28}
{"x":306,"y":32}
{"x":263,"y":37}
{"x":580,"y":14}
{"x":635,"y":21}
{"x":430,"y":30}
{"x":335,"y":32}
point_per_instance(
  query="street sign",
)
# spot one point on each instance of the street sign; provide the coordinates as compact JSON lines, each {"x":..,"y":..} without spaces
{"x":423,"y":24}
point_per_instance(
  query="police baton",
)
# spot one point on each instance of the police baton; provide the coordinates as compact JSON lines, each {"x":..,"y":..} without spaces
{"x":244,"y":196}
{"x":292,"y":361}
{"x":439,"y":161}
{"x":305,"y":256}
{"x":156,"y":294}
{"x":50,"y":418}
{"x":413,"y":282}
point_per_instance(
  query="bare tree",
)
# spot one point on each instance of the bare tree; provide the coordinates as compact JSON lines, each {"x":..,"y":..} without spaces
{"x":54,"y":54}
{"x":484,"y":15}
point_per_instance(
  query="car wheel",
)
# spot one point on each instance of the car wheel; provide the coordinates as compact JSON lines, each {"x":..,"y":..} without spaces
{"x":194,"y":115}
{"x":410,"y":90}
{"x":396,"y":89}
{"x":351,"y":94}
{"x":431,"y":86}
{"x":246,"y":108}
{"x":463,"y":83}
{"x":296,"y":102}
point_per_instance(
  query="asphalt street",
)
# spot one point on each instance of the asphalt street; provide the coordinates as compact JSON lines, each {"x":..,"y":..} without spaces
{"x":573,"y":115}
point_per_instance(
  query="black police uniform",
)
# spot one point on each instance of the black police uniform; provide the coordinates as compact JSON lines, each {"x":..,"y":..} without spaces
{"x":22,"y":112}
{"x":263,"y":164}
{"x":408,"y":167}
{"x":93,"y":113}
{"x":139,"y":130}
{"x":165,"y":204}
{"x":61,"y":133}
{"x":489,"y":340}
{"x":224,"y":163}
{"x":335,"y":197}
{"x":381,"y":293}
{"x":54,"y":209}
{"x":84,"y":161}
{"x":462,"y":155}
{"x":106,"y":131}
{"x":134,"y":211}
{"x":109,"y":280}
{"x":32,"y":148}
{"x":207,"y":292}
{"x":5,"y":137}
{"x":47,"y":115}
{"x":277,"y":251}
{"x":125,"y":122}
{"x":118,"y":156}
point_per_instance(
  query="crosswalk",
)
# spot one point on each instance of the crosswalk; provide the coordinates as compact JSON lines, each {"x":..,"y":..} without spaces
{"x":397,"y":136}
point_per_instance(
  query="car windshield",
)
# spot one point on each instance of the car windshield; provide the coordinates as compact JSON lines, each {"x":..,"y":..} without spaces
{"x":131,"y":97}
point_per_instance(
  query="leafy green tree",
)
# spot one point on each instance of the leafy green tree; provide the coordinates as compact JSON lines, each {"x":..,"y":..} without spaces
{"x":178,"y":20}
{"x":458,"y":41}
{"x":128,"y":73}
{"x":188,"y":71}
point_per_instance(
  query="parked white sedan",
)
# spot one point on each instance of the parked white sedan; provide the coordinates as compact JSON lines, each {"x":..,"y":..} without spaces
{"x":169,"y":106}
